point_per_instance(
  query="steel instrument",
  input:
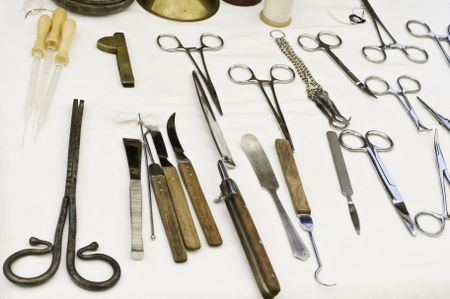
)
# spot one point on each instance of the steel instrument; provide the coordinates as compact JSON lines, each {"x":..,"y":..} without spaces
{"x":373,"y":149}
{"x":68,"y":207}
{"x":208,"y":42}
{"x":181,"y":10}
{"x":422,"y":30}
{"x":248,"y":235}
{"x":263,"y":170}
{"x":444,"y":177}
{"x":213,"y":125}
{"x":250,"y":78}
{"x":344,"y":179}
{"x":413,"y":53}
{"x":298,"y":197}
{"x":326,"y":41}
{"x":445,"y":122}
{"x":400,"y":93}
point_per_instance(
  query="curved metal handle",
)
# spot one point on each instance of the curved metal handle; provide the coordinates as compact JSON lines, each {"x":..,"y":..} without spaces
{"x":378,"y":49}
{"x":438,"y":217}
{"x":205,"y":42}
{"x":89,"y":284}
{"x":176,"y":48}
{"x":378,"y":92}
{"x":39,"y":279}
{"x":283,"y":68}
{"x":332,"y":43}
{"x":311,"y":38}
{"x":379,"y":147}
{"x":244,"y":69}
{"x":276,"y":33}
{"x":410,"y":50}
{"x":407,"y":78}
{"x":355,"y":135}
{"x":427,"y":32}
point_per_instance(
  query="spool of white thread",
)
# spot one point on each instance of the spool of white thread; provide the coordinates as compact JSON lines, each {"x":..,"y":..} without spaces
{"x":277,"y":13}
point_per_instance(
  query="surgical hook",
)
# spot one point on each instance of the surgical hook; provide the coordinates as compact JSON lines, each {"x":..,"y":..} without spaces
{"x":319,"y":263}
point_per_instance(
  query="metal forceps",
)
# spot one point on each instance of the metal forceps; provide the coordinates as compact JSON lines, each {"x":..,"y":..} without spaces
{"x":326,"y":41}
{"x":205,"y":45}
{"x":400,"y":94}
{"x":252,"y":79}
{"x":443,"y":176}
{"x":425,"y":31}
{"x":68,"y":206}
{"x":373,"y":150}
{"x":381,"y":49}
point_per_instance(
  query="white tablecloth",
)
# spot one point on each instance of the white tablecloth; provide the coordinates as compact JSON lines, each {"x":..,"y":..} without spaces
{"x":384,"y":261}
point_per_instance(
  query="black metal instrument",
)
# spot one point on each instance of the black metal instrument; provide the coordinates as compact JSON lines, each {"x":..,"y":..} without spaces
{"x":68,"y":206}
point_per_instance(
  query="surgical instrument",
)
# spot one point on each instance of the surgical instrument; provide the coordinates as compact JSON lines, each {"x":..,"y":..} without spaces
{"x":147,"y":156}
{"x":117,"y":45}
{"x":373,"y":150}
{"x":326,"y":41}
{"x":213,"y":125}
{"x":248,"y":235}
{"x":274,"y":79}
{"x":444,"y":176}
{"x":192,"y":184}
{"x":425,"y":32}
{"x":208,"y":42}
{"x":166,"y":209}
{"x":314,"y":90}
{"x":384,"y":88}
{"x":344,"y":179}
{"x":180,"y":204}
{"x":61,"y":60}
{"x":298,"y":197}
{"x":381,"y":49}
{"x":266,"y":177}
{"x":68,"y":207}
{"x":445,"y":122}
{"x":133,"y":150}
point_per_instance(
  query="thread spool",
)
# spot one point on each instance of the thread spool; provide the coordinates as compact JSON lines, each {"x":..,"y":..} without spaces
{"x":277,"y":13}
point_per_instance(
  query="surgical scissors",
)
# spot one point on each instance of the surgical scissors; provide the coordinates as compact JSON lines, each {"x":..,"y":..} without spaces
{"x":443,"y":176}
{"x":68,"y":206}
{"x":373,"y":150}
{"x":381,"y":49}
{"x":205,"y":45}
{"x":400,"y":94}
{"x":326,"y":41}
{"x":426,"y":32}
{"x":274,"y":79}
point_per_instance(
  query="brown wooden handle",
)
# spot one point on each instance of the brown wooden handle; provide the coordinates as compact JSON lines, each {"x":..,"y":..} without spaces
{"x":199,"y":203}
{"x":292,"y":177}
{"x":254,"y":249}
{"x":169,"y":218}
{"x":187,"y":226}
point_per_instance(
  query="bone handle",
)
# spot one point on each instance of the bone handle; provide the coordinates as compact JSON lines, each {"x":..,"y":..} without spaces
{"x":58,"y":18}
{"x":68,"y":30}
{"x":44,"y":24}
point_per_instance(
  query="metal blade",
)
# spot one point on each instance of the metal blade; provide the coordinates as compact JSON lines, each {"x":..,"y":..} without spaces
{"x":173,"y":137}
{"x":400,"y":207}
{"x":259,"y":161}
{"x":133,"y":149}
{"x":353,"y":215}
{"x":160,"y":146}
{"x":440,"y":118}
{"x":214,"y":127}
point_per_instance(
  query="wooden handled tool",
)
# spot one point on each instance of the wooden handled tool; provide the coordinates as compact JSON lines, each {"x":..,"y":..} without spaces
{"x":58,"y":18}
{"x":199,"y":203}
{"x":292,"y":177}
{"x":167,"y":213}
{"x":248,"y":234}
{"x":44,"y":25}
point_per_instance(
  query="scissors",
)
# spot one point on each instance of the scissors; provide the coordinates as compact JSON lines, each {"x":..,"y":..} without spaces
{"x":68,"y":206}
{"x":400,"y":94}
{"x":208,"y":42}
{"x":425,"y":31}
{"x":274,"y":79}
{"x":326,"y":41}
{"x":381,"y":49}
{"x":372,"y":149}
{"x":443,"y":176}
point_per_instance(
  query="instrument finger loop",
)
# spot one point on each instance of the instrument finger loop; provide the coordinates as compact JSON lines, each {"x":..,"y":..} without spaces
{"x":415,"y":54}
{"x":418,"y":29}
{"x":353,"y":141}
{"x":409,"y":84}
{"x":241,"y":74}
{"x":330,"y":39}
{"x":169,"y":43}
{"x":309,"y":42}
{"x":374,"y":137}
{"x":377,"y":85}
{"x":211,"y":42}
{"x":281,"y":73}
{"x":437,"y":218}
{"x":375,"y":54}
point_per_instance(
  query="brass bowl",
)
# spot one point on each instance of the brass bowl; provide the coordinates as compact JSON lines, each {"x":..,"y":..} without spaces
{"x":181,"y":10}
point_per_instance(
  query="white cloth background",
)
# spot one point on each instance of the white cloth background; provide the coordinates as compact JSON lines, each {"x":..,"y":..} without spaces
{"x":384,"y":261}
